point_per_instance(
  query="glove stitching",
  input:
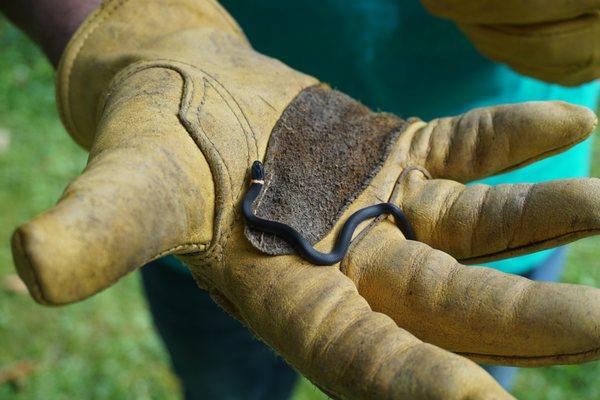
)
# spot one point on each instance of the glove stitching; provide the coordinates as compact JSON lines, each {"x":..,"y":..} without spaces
{"x":394,"y":198}
{"x":223,"y":234}
{"x":164,"y":64}
{"x":186,"y":100}
{"x":249,"y":159}
{"x":81,"y":37}
{"x":248,"y":124}
{"x":194,"y":246}
{"x":199,"y":109}
{"x":343,"y":266}
{"x":216,"y":167}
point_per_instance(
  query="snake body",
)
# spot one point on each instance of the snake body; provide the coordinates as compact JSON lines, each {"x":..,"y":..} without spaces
{"x":303,"y":246}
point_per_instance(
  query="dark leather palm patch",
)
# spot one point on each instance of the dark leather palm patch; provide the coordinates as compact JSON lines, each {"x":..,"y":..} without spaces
{"x":323,"y":152}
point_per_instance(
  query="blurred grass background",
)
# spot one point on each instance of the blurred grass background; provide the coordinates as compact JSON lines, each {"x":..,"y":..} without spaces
{"x":106,"y":348}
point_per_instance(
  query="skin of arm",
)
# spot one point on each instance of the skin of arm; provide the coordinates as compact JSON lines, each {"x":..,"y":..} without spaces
{"x":50,"y":23}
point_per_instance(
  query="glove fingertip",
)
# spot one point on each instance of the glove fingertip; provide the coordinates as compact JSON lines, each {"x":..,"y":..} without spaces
{"x":22,"y":258}
{"x":583,"y":120}
{"x":44,"y":257}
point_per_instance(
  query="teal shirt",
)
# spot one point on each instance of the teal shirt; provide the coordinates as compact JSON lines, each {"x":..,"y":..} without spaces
{"x":393,"y":56}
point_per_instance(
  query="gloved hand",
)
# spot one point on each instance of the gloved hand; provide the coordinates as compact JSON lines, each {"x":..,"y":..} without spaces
{"x":555,"y":41}
{"x":174,"y":106}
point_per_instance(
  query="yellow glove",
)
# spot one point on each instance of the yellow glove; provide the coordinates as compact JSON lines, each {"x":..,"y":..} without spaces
{"x":175,"y":106}
{"x":555,"y":41}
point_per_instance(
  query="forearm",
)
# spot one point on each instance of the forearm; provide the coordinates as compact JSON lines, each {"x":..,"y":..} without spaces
{"x":50,"y":23}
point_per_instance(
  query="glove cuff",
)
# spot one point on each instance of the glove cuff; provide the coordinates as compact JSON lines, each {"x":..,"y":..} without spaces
{"x":119,"y":33}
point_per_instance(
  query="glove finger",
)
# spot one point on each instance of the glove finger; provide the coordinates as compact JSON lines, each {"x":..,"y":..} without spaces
{"x":314,"y":318}
{"x":486,"y":315}
{"x":565,"y":52}
{"x":492,"y":140}
{"x":510,"y":12}
{"x":482,"y":223}
{"x":136,"y":200}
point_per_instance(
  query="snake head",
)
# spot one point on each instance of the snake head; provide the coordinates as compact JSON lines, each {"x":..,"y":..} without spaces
{"x":258,"y":172}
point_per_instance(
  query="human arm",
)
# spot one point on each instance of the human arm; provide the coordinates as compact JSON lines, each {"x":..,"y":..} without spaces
{"x":175,"y":116}
{"x":50,"y":23}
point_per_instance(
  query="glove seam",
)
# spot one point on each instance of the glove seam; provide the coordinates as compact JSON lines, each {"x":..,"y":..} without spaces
{"x":393,"y":198}
{"x":70,"y":55}
{"x":182,"y":249}
{"x":414,"y":126}
{"x":188,"y":93}
{"x":78,"y":41}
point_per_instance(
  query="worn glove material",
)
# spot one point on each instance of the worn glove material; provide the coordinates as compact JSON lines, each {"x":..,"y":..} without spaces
{"x":553,"y":41}
{"x":174,"y":106}
{"x":323,"y":152}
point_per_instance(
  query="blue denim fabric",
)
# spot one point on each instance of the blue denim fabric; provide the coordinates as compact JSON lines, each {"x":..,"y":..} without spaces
{"x":215,"y":357}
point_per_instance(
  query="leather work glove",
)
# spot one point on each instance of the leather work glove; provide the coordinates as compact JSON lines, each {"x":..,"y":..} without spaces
{"x":555,"y":41}
{"x":174,"y":106}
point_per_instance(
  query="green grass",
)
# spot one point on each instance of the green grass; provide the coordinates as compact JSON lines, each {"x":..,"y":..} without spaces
{"x":105,"y":348}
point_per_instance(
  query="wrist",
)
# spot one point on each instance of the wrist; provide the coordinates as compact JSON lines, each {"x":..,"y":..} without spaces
{"x":49,"y":23}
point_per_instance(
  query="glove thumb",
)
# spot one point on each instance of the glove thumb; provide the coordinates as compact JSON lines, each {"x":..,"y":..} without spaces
{"x":146,"y":192}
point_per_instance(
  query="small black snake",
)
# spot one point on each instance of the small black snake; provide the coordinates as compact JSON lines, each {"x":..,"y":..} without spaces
{"x":302,"y":246}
